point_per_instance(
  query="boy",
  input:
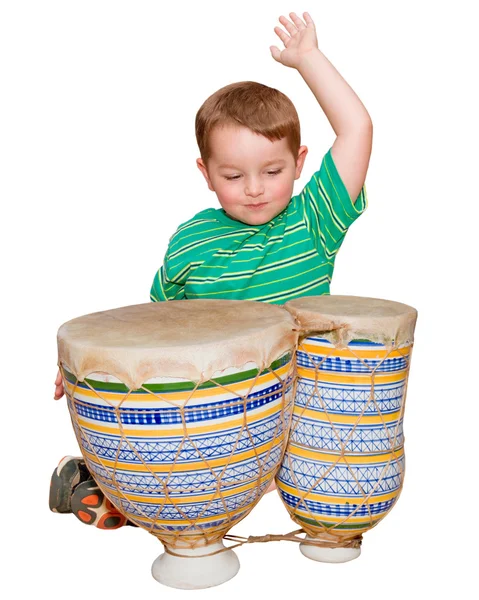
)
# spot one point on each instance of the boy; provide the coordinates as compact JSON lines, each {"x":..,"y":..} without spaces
{"x":262,"y":244}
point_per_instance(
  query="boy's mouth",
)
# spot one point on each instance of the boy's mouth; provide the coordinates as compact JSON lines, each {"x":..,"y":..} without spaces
{"x":257,"y":206}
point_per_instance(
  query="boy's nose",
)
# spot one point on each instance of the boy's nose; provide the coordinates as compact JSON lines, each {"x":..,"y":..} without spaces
{"x":254,"y":189}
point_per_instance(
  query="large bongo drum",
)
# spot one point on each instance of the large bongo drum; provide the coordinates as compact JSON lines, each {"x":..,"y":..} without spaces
{"x":181,"y":411}
{"x":343,"y":468}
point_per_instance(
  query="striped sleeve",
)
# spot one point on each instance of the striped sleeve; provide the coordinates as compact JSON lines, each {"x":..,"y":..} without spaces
{"x":328,"y":209}
{"x":170,"y":280}
{"x":165,"y":287}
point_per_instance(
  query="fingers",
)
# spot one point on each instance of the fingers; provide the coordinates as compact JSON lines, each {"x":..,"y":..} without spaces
{"x":297,"y":21}
{"x":59,"y":391}
{"x":308,"y":19}
{"x":290,"y":28}
{"x":276,"y":53}
{"x":293,"y":27}
{"x":283,"y":36}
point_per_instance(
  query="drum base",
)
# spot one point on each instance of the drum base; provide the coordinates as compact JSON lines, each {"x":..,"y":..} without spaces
{"x":193,"y":570}
{"x":329,"y":555}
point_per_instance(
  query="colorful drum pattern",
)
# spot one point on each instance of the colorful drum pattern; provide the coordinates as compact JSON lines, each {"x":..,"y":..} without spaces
{"x":185,"y":411}
{"x":344,"y":466}
{"x":185,"y":461}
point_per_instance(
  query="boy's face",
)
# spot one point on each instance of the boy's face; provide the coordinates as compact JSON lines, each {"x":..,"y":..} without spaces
{"x":252,"y":177}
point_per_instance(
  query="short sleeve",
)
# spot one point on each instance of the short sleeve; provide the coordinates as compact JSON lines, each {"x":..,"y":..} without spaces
{"x":165,"y":287}
{"x":328,"y":209}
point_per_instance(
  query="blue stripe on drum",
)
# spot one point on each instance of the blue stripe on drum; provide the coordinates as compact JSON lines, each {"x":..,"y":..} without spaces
{"x":341,"y":480}
{"x":194,"y":510}
{"x":196,"y":482}
{"x":349,"y":398}
{"x":198,"y":527}
{"x":176,"y":416}
{"x":313,"y":433}
{"x":339,"y":364}
{"x":165,"y":449}
{"x":337,"y":510}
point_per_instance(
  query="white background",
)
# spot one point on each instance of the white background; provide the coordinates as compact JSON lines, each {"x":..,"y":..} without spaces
{"x":98,"y":168}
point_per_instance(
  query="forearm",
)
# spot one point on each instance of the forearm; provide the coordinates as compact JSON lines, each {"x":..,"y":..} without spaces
{"x":344,"y":110}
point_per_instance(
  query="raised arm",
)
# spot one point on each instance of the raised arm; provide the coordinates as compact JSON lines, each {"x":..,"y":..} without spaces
{"x":345,"y":111}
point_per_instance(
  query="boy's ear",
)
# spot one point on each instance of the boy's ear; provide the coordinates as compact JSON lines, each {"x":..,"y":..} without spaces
{"x":202,"y":167}
{"x":302,"y":152}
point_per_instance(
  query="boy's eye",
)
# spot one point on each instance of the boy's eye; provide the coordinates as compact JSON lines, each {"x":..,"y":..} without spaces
{"x":235,"y":177}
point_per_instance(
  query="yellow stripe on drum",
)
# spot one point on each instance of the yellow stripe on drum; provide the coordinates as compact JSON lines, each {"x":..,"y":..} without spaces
{"x":352,"y":459}
{"x":234,"y":389}
{"x":328,"y":351}
{"x":179,"y":467}
{"x":333,"y":498}
{"x":357,"y":378}
{"x":186,"y":499}
{"x":167,"y":431}
{"x":194,"y":533}
{"x":317,"y":416}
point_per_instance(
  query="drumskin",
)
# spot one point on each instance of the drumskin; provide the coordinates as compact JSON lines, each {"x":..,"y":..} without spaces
{"x":181,"y":339}
{"x":352,"y":317}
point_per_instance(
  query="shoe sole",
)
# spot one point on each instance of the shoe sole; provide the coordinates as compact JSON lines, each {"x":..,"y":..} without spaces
{"x":70,"y":472}
{"x":91,"y":507}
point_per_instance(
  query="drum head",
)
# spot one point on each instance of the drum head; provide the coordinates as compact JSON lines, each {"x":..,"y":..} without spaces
{"x":184,"y":338}
{"x":355,"y":317}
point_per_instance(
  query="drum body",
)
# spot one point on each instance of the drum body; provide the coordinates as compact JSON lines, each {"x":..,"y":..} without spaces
{"x":182,"y":418}
{"x":344,"y":465}
{"x":185,"y":461}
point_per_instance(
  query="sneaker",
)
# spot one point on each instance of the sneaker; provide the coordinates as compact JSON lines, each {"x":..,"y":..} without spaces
{"x":71,"y":471}
{"x":90,"y":505}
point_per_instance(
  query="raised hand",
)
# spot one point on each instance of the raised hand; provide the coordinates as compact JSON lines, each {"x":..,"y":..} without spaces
{"x":299,"y":41}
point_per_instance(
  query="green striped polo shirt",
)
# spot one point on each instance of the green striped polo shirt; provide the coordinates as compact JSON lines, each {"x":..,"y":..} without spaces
{"x":214,"y":256}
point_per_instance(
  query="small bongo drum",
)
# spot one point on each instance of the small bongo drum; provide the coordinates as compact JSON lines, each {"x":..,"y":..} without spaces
{"x":343,"y":468}
{"x":181,"y":410}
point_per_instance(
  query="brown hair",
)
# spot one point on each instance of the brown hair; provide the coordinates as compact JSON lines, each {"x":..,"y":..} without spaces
{"x":262,"y":109}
